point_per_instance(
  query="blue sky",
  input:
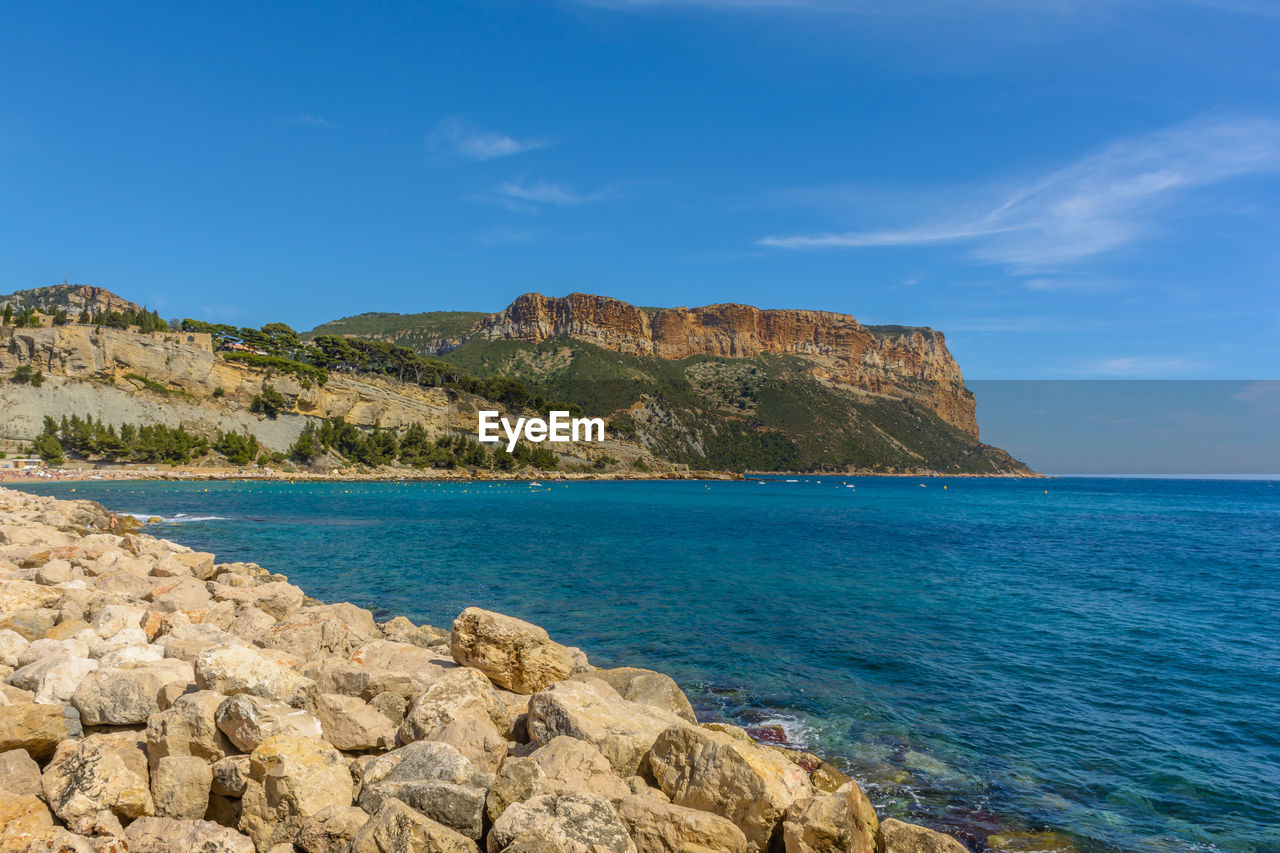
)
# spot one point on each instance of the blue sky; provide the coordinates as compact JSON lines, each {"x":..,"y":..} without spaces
{"x":1067,"y":189}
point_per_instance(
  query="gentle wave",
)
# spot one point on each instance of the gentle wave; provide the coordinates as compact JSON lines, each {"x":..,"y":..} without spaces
{"x":179,"y":518}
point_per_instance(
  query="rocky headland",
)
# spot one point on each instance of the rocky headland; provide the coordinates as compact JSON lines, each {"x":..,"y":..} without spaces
{"x":901,"y":361}
{"x":156,"y":700}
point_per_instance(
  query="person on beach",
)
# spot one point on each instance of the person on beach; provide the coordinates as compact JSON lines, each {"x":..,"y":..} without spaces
{"x":111,"y":521}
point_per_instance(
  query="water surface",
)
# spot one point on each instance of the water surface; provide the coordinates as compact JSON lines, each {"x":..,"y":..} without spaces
{"x":1095,"y":657}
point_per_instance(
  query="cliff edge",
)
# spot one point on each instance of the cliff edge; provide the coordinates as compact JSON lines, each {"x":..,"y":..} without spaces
{"x":913,"y":363}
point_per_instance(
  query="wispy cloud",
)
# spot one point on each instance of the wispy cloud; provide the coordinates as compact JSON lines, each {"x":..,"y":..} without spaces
{"x":531,"y":196}
{"x":456,"y":135}
{"x":1263,"y":8}
{"x":308,"y":120}
{"x":1103,"y":202}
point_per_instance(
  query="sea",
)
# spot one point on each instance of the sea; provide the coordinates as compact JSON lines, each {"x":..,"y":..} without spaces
{"x":1062,"y":664}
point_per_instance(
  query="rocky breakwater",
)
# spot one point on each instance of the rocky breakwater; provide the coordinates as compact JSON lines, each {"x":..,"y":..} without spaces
{"x":156,"y":700}
{"x":899,"y":361}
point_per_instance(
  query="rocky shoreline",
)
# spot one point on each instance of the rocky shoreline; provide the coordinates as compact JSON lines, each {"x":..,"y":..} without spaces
{"x":154,"y":700}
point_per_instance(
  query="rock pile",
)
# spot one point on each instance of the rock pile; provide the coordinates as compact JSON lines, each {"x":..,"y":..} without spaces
{"x":154,"y":700}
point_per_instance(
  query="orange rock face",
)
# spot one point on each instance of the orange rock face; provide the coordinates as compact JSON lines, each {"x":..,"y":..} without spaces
{"x":905,"y":362}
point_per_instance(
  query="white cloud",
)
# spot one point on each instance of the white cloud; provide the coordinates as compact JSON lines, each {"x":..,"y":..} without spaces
{"x":1100,"y":203}
{"x":531,"y":195}
{"x":456,"y":135}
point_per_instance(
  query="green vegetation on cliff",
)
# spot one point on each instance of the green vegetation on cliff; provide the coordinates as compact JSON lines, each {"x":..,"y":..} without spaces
{"x":427,"y":333}
{"x":766,"y":413}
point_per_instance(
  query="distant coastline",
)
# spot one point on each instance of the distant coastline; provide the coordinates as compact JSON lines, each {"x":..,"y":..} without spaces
{"x":126,"y":473}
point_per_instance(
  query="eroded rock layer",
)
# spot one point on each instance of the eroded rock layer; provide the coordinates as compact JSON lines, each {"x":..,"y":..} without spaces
{"x":900,"y":361}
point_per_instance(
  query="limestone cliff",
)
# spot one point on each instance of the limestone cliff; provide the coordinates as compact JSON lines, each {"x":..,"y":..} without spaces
{"x":900,"y":361}
{"x":176,"y":378}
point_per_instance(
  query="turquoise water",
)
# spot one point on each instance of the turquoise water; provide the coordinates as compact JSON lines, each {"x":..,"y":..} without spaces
{"x":1100,"y":660}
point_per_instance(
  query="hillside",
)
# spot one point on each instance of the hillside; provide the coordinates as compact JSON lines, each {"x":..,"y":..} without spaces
{"x":125,"y":379}
{"x":429,"y":333}
{"x":728,"y":386}
{"x":72,"y":298}
{"x":723,"y":387}
{"x":767,"y":412}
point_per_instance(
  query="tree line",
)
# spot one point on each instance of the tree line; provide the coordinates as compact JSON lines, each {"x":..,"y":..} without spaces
{"x":146,"y":321}
{"x":98,"y":441}
{"x":276,"y":345}
{"x":414,"y":448}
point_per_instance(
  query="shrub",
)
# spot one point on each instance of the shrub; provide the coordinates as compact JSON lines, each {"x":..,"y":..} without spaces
{"x":47,"y":447}
{"x":270,"y":402}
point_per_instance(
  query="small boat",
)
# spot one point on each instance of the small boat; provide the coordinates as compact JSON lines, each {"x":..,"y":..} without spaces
{"x":534,"y":483}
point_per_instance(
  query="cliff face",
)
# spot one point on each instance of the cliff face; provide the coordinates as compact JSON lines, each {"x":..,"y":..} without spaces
{"x":99,"y":372}
{"x":911,"y":363}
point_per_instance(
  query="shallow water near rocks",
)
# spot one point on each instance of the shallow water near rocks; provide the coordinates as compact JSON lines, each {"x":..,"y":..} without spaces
{"x":1100,"y":661}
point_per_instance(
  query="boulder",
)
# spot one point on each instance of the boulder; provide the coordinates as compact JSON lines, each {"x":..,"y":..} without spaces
{"x":166,"y":835}
{"x":103,"y":772}
{"x":180,"y":787}
{"x":335,"y":675}
{"x":751,"y":786}
{"x":12,"y":644}
{"x":250,"y":623}
{"x":513,"y":653}
{"x":519,"y":779}
{"x":188,"y":727}
{"x":23,"y":819}
{"x":590,"y":710}
{"x":128,"y":695}
{"x":180,"y":594}
{"x":434,"y":778}
{"x":230,"y":776}
{"x":55,"y":572}
{"x":126,"y":586}
{"x":53,"y":680}
{"x":646,"y":687}
{"x":114,"y":618}
{"x":187,"y":641}
{"x":248,"y":720}
{"x":241,"y":669}
{"x":47,"y":648}
{"x":30,"y":624}
{"x":290,"y":780}
{"x":843,"y":822}
{"x":658,"y":826}
{"x":441,"y":702}
{"x":277,"y":599}
{"x":402,"y":630}
{"x":331,"y":829}
{"x":572,"y":766}
{"x":824,"y":776}
{"x":573,"y":823}
{"x":396,"y":828}
{"x":329,"y":629}
{"x":898,"y":837}
{"x":38,"y":729}
{"x":397,"y":656}
{"x":475,"y":736}
{"x":19,"y":774}
{"x":25,"y":595}
{"x":352,"y":725}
